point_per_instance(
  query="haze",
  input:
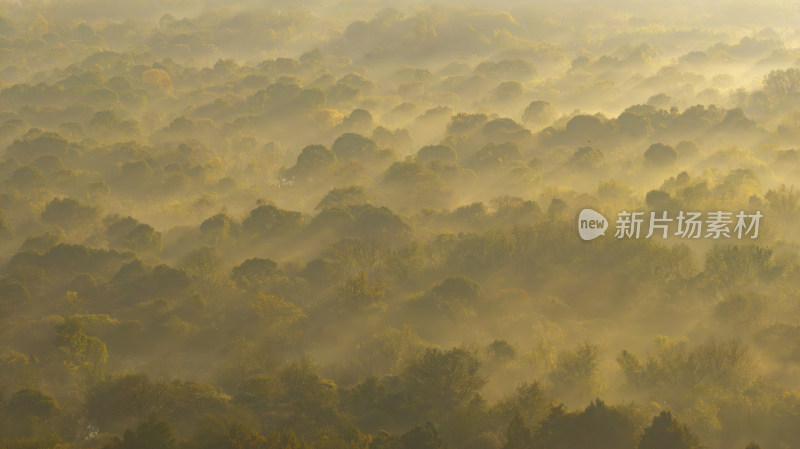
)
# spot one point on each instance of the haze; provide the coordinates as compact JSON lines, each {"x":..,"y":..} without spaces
{"x":354,"y":224}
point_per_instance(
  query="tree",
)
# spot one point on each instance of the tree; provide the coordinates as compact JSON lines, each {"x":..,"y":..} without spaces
{"x":492,"y":156}
{"x":742,"y":311}
{"x":150,"y":434}
{"x":309,"y":399}
{"x":313,"y":160}
{"x":782,"y":84}
{"x":109,"y":125}
{"x":577,"y":373}
{"x":505,"y":130}
{"x":679,"y":374}
{"x":39,"y":144}
{"x":342,"y":197}
{"x":142,"y":239}
{"x":359,"y":293}
{"x":789,"y":128}
{"x":83,"y":354}
{"x":587,"y":158}
{"x":118,"y":227}
{"x":634,"y":125}
{"x":12,"y":293}
{"x":666,"y":433}
{"x":459,"y":289}
{"x":29,"y":413}
{"x":387,"y":353}
{"x":274,"y":312}
{"x":508,"y":92}
{"x":430,"y":153}
{"x":381,"y":226}
{"x":27,"y":178}
{"x":217,"y":228}
{"x":259,"y":392}
{"x":584,"y":128}
{"x":470,"y":213}
{"x":254,"y":274}
{"x":784,"y":202}
{"x":352,"y":146}
{"x":33,"y":403}
{"x":49,"y":163}
{"x":738,"y":265}
{"x":463,"y":123}
{"x":517,"y":68}
{"x":359,"y":120}
{"x":539,"y":113}
{"x":204,"y":264}
{"x":157,"y":78}
{"x":598,"y":426}
{"x":135,"y":176}
{"x":230,"y":433}
{"x":518,"y":436}
{"x":439,"y":381}
{"x":501,"y":351}
{"x":659,"y":200}
{"x":283,"y":440}
{"x":423,"y":437}
{"x":660,"y":155}
{"x":69,"y":212}
{"x":268,"y":221}
{"x":385,"y":440}
{"x":406,"y":173}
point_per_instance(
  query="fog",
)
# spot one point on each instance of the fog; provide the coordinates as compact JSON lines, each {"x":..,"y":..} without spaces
{"x":353,"y":224}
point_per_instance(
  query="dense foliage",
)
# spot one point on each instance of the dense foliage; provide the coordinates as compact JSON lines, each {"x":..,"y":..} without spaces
{"x":303,"y":225}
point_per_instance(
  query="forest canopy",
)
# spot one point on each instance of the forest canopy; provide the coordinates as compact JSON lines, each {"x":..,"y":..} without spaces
{"x":263,"y":225}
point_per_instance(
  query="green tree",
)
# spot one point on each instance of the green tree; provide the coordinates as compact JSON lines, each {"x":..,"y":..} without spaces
{"x":598,"y":426}
{"x":539,"y":113}
{"x":423,"y":437}
{"x":781,"y":84}
{"x":217,"y":228}
{"x":31,"y":414}
{"x":268,"y":221}
{"x":143,"y":240}
{"x":69,"y":213}
{"x":359,"y":293}
{"x":440,"y":153}
{"x":380,"y":226}
{"x":586,"y":158}
{"x":229,"y":433}
{"x":576,"y":376}
{"x":660,"y":155}
{"x":26,"y":178}
{"x":342,"y":197}
{"x":122,"y":399}
{"x":33,"y":403}
{"x":666,"y":433}
{"x":313,"y":160}
{"x":518,"y":436}
{"x":204,"y":264}
{"x":439,"y":381}
{"x":150,"y":434}
{"x":84,"y":354}
{"x":255,"y":274}
{"x":352,"y":146}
